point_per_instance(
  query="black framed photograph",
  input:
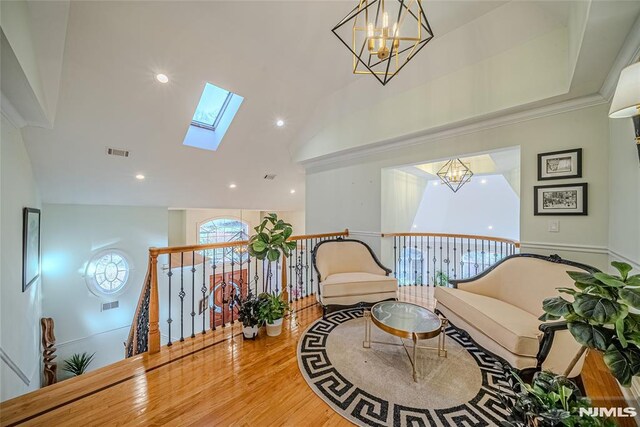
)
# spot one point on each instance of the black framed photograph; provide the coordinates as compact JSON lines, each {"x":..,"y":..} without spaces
{"x":560,"y":164}
{"x":30,"y":247}
{"x":564,"y":199}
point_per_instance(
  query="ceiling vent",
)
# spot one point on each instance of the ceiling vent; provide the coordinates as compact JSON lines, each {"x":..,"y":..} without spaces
{"x":110,"y":305}
{"x":117,"y":152}
{"x":270,"y":176}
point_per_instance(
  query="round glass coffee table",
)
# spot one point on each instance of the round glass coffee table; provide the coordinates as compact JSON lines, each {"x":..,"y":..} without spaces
{"x":406,"y":320}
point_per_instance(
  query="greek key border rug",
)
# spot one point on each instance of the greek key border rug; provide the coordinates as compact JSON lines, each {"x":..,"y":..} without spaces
{"x":358,"y":404}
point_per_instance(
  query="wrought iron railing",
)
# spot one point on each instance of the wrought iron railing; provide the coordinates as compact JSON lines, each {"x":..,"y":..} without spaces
{"x":191,"y":288}
{"x":432,"y":259}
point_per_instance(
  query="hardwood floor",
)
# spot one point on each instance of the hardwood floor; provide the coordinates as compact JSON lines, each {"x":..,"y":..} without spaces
{"x":215,"y":379}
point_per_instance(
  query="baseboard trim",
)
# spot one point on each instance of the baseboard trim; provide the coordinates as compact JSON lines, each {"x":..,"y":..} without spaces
{"x":14,"y":367}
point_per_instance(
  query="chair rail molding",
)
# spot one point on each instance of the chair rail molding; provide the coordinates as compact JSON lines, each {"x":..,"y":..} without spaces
{"x":565,"y":247}
{"x":14,"y":366}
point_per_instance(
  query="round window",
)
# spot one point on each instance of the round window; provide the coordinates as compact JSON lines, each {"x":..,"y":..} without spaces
{"x":107,"y":272}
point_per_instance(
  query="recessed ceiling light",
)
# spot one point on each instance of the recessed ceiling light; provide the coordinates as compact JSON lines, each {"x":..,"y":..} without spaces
{"x":232,"y":186}
{"x":292,"y":191}
{"x":415,"y":226}
{"x":140,"y":176}
{"x":280,"y":123}
{"x":484,"y":181}
{"x":490,"y":227}
{"x":162,"y":78}
{"x":435,"y":183}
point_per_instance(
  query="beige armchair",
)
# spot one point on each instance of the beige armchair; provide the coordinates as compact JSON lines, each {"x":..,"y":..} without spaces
{"x":350,"y":274}
{"x":500,"y":309}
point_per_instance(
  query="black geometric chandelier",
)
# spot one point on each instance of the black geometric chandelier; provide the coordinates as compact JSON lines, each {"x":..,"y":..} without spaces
{"x":455,"y":174}
{"x":384,"y":35}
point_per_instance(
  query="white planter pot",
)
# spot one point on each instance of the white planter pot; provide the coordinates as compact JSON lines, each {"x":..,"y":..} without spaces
{"x":250,"y":332}
{"x":274,"y":329}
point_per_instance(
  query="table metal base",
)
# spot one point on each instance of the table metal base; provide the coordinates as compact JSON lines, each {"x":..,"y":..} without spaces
{"x":442,"y":351}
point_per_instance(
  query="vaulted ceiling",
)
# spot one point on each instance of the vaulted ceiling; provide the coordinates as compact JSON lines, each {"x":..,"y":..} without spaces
{"x":282,"y":58}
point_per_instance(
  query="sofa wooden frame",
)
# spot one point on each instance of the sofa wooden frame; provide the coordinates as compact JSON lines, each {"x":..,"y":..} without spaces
{"x":326,"y":309}
{"x":548,"y":329}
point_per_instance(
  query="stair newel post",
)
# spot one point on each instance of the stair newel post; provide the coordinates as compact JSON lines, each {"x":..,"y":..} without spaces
{"x":154,"y":315}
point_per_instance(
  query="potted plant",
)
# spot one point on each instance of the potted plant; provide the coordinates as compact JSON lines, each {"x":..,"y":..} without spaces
{"x":78,"y":363}
{"x":270,"y":241}
{"x":550,"y":400}
{"x":248,"y":310}
{"x":272,"y":310}
{"x":604,"y":316}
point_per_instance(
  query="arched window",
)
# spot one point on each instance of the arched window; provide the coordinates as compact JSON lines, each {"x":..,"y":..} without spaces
{"x":224,"y":230}
{"x":107,"y":272}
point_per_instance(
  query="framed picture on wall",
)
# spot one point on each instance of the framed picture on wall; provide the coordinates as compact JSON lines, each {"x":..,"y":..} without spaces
{"x":565,"y":199}
{"x":560,"y":164}
{"x":30,"y":247}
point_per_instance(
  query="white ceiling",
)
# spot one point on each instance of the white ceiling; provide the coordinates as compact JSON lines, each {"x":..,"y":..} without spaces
{"x":279,"y":55}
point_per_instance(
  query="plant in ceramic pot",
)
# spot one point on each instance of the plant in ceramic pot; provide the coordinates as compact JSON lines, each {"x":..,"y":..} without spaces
{"x":270,"y":242}
{"x":248,"y":314}
{"x":272,"y":310}
{"x":550,"y":400}
{"x":604,"y":316}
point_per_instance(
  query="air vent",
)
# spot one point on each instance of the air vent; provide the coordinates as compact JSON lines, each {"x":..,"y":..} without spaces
{"x":110,"y":305}
{"x":117,"y":152}
{"x":270,"y":176}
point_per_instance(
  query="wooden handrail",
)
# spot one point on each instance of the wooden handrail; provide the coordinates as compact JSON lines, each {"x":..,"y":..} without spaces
{"x":192,"y":248}
{"x":457,"y":236}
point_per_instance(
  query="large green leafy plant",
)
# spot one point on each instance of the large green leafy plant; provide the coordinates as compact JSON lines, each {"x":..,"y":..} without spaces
{"x":270,"y":240}
{"x":550,"y":400}
{"x":600,"y":317}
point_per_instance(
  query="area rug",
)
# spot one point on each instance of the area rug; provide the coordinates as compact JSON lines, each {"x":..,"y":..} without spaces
{"x":375,"y":386}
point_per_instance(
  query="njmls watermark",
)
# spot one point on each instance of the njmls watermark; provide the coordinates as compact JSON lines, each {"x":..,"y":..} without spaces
{"x":628,"y":412}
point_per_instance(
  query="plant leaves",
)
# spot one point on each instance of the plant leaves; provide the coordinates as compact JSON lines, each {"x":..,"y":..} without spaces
{"x":609,"y":280}
{"x":633,"y":280}
{"x":580,"y":277}
{"x":623,"y":363}
{"x":632,"y":322}
{"x":259,"y":246}
{"x":623,"y":268}
{"x":546,"y":317}
{"x":273,"y":254}
{"x":557,"y":306}
{"x":620,"y":332}
{"x":602,"y":310}
{"x":591,"y":336}
{"x":631,"y":296}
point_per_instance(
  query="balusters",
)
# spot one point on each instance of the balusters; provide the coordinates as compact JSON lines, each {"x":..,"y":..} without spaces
{"x":193,"y":294}
{"x":396,"y":261}
{"x":203,"y":289}
{"x":313,"y":291}
{"x":169,"y":320}
{"x":232,"y":285}
{"x":212,"y":292}
{"x":182,"y":294}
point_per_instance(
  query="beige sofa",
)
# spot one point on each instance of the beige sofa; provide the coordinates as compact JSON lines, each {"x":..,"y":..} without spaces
{"x":350,"y":274}
{"x":500,"y":309}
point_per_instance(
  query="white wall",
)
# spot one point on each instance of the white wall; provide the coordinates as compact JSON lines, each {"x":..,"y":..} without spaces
{"x":624,"y":192}
{"x":19,"y":312}
{"x":485,"y":201}
{"x":348,"y":194}
{"x":72,"y":234}
{"x":402,"y":195}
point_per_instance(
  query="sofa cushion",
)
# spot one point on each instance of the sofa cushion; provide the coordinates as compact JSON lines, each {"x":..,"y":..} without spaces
{"x":513,"y":328}
{"x":346,"y":284}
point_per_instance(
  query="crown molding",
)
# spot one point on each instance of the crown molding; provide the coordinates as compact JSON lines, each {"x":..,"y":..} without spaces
{"x":10,"y":113}
{"x":455,"y":129}
{"x":629,"y":53}
{"x":14,"y":366}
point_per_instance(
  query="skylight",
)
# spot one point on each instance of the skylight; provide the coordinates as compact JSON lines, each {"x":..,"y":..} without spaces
{"x":211,"y":107}
{"x":212,"y":118}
